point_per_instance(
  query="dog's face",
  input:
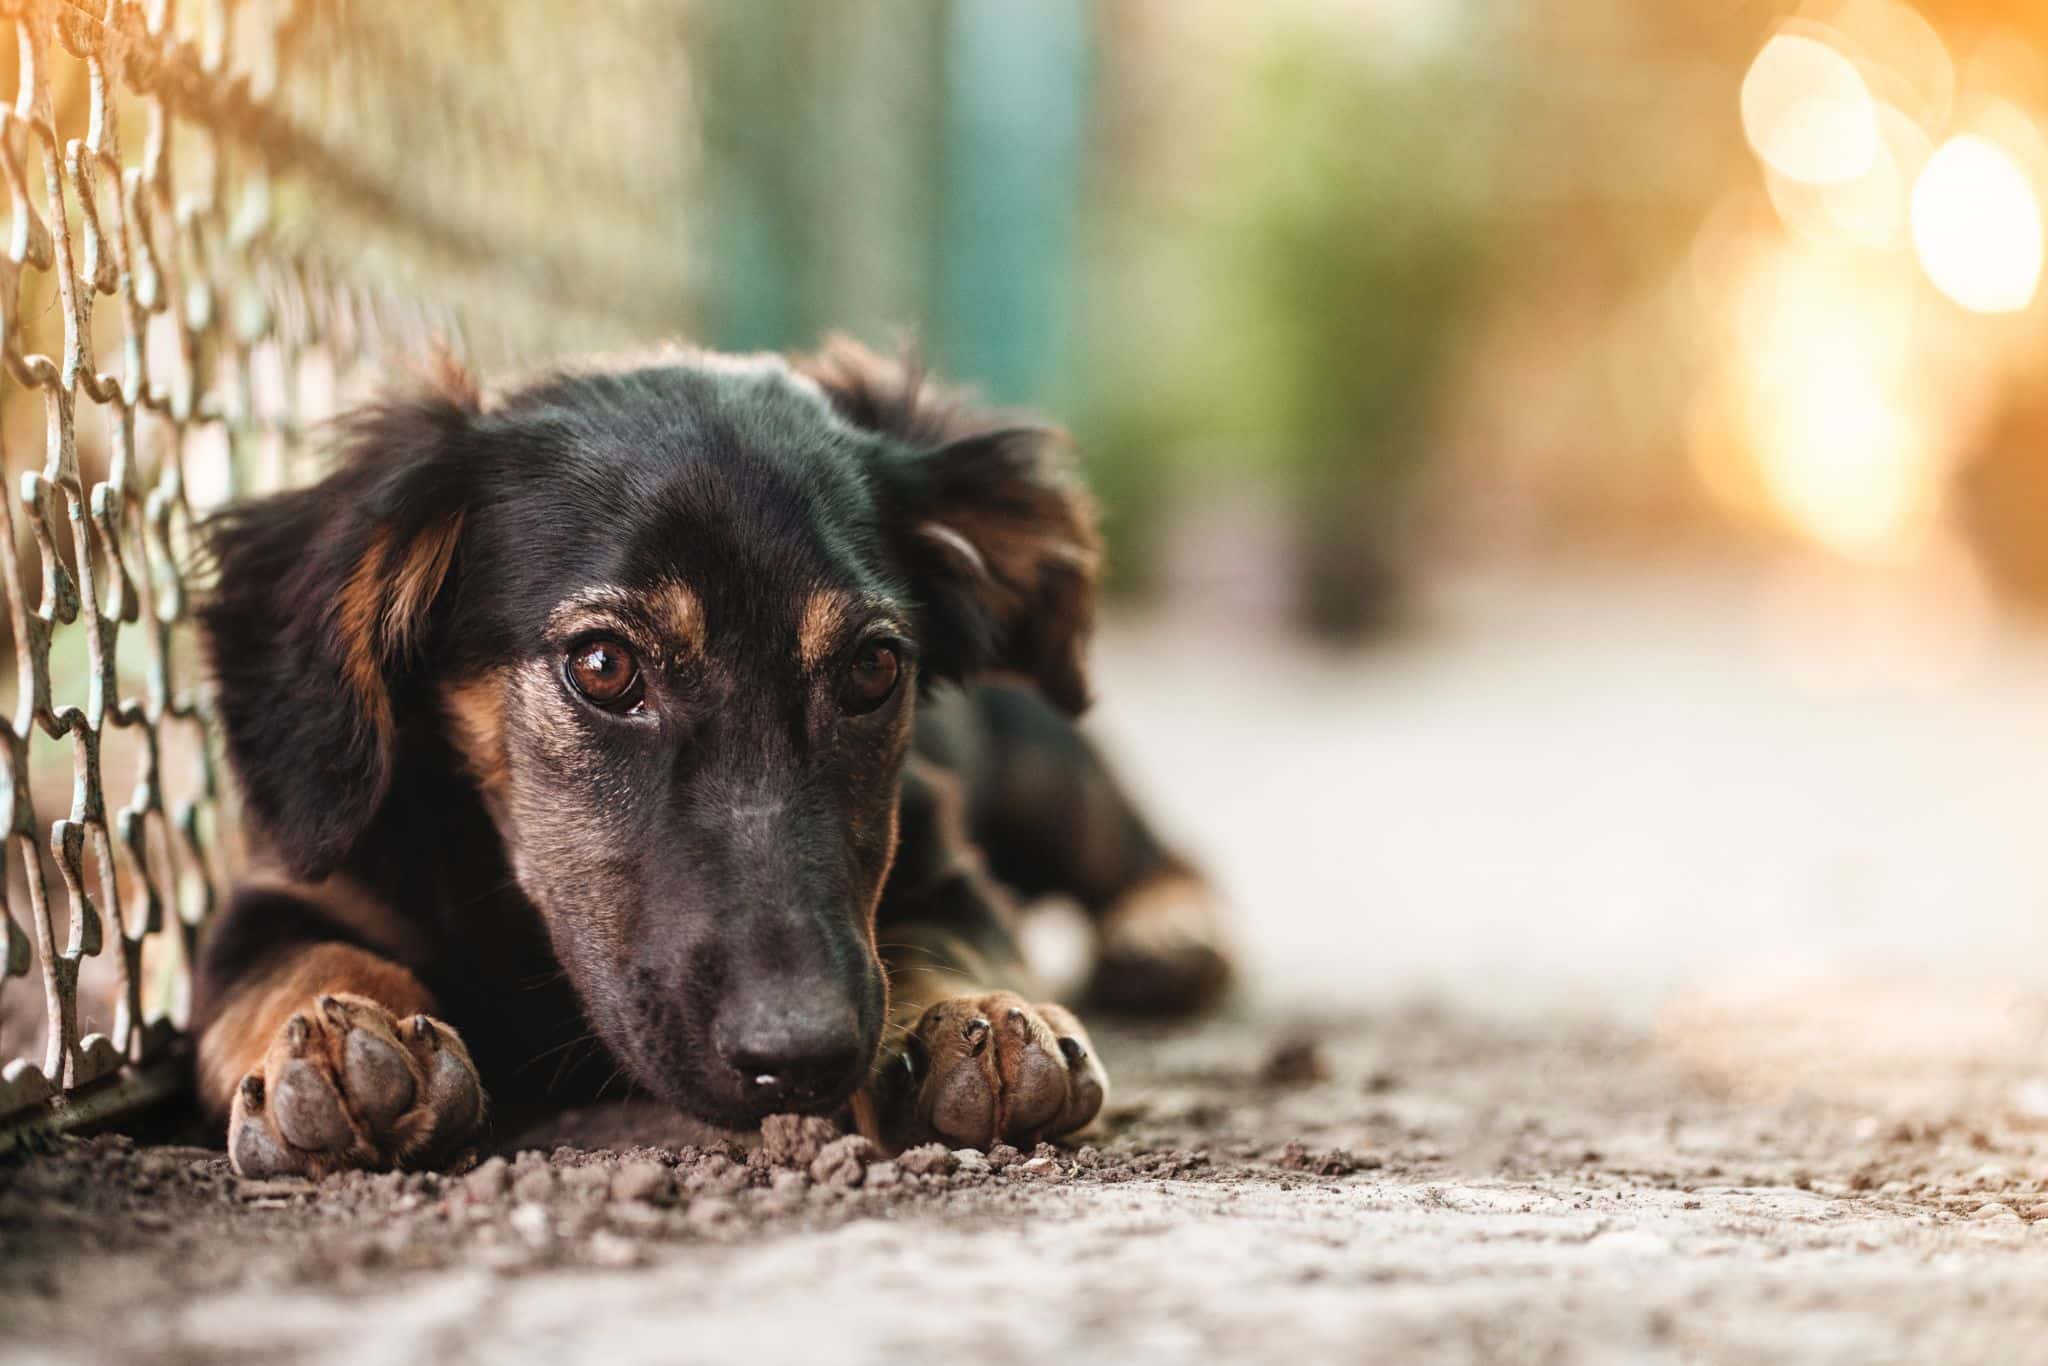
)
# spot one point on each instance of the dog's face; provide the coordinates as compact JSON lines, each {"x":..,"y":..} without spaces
{"x":671,"y":622}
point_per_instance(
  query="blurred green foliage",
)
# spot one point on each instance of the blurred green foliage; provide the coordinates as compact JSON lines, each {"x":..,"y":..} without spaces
{"x":1263,"y":281}
{"x":1317,"y":283}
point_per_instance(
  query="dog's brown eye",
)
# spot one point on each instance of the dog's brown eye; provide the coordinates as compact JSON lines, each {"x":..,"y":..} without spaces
{"x":870,"y":678}
{"x":604,"y":672}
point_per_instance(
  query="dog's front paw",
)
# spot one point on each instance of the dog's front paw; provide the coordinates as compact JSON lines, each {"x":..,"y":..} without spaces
{"x":1160,"y":950}
{"x":996,"y":1068}
{"x":346,"y":1085}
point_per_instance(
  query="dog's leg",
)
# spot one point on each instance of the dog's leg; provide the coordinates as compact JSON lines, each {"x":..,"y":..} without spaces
{"x":322,"y":1053}
{"x":1053,"y":820}
{"x":973,"y":1054}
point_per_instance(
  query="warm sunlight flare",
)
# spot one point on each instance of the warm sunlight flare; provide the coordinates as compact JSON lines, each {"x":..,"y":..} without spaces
{"x":1831,"y":407}
{"x":1808,"y":113}
{"x":1977,"y":226}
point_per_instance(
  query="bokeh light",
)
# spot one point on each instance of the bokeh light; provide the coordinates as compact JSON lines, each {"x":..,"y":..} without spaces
{"x":1977,"y":226}
{"x":1826,"y":398}
{"x":1808,"y":113}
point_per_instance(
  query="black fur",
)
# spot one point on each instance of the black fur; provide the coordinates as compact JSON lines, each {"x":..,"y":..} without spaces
{"x":716,"y":858}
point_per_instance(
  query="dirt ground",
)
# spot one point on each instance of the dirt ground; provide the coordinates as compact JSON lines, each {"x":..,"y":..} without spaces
{"x":1630,"y":977}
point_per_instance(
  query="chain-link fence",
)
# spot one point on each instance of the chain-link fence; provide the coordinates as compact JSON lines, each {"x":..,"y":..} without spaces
{"x":227,"y":219}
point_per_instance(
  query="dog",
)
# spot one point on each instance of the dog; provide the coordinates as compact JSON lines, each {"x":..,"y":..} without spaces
{"x":694,"y":719}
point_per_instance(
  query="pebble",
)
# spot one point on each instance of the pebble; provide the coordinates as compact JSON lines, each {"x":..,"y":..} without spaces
{"x":534,"y":1185}
{"x":882,"y":1175}
{"x":968,"y":1162}
{"x":490,"y":1181}
{"x":609,"y":1249}
{"x":716,"y":1173}
{"x":1295,"y":1062}
{"x":796,"y":1140}
{"x":643,"y":1182}
{"x":1994,"y":1210}
{"x":530,"y":1222}
{"x":843,"y":1161}
{"x":931,"y":1159}
{"x":1003,"y":1155}
{"x":595,"y":1177}
{"x":712,"y":1212}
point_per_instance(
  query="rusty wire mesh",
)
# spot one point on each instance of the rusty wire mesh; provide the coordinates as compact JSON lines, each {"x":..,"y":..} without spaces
{"x":226,"y":220}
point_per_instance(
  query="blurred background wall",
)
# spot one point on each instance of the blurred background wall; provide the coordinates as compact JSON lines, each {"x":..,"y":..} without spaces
{"x":1333,"y":289}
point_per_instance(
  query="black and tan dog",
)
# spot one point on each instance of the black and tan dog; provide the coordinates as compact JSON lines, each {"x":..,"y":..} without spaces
{"x":601,"y":728}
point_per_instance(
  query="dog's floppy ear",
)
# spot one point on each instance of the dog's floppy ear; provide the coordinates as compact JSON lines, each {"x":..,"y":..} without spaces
{"x":322,"y":599}
{"x":990,"y":522}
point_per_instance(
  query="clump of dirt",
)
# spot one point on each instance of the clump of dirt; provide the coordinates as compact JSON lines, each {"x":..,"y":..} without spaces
{"x":1295,"y":1062}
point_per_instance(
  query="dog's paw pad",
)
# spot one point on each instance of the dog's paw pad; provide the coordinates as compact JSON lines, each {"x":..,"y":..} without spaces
{"x":380,"y":1078}
{"x":346,"y":1085}
{"x":994,"y":1068}
{"x":253,"y":1148}
{"x":306,"y":1110}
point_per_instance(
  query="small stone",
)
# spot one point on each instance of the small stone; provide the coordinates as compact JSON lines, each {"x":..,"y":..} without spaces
{"x":1296,"y":1157}
{"x":716,"y":1172}
{"x":843,"y":1161}
{"x":932,"y":1159}
{"x":968,"y":1162}
{"x":489,"y":1181}
{"x":1003,"y":1155}
{"x":1294,"y":1062}
{"x":711,"y":1212}
{"x":534,"y":1186}
{"x":588,"y":1179}
{"x":1042,"y":1168}
{"x":787,"y":1182}
{"x":883,"y":1175}
{"x":610,"y":1249}
{"x":1994,"y":1210}
{"x":530,"y":1222}
{"x":642,"y":1182}
{"x":796,"y":1140}
{"x":1090,"y":1157}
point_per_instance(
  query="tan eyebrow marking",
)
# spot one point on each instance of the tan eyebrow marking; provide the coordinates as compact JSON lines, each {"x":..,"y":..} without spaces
{"x":677,"y":606}
{"x":589,"y":608}
{"x":827,"y":613}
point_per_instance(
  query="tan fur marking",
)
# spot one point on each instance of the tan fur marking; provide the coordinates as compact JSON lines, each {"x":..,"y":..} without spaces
{"x":476,"y":711}
{"x":681,"y":612}
{"x":415,"y":579}
{"x":382,"y":605}
{"x":356,"y":618}
{"x":827,"y":614}
{"x":234,"y":1044}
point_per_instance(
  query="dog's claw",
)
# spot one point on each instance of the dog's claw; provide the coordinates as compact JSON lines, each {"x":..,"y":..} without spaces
{"x":1073,"y":1050}
{"x":975,"y":1032}
{"x":423,"y":1032}
{"x":297,"y":1030}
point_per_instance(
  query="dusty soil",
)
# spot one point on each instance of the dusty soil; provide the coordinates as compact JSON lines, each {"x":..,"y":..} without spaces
{"x":1732,"y":1049}
{"x":1418,"y":1185}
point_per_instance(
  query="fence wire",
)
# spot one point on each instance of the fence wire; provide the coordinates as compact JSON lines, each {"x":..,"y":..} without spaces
{"x":225,"y":221}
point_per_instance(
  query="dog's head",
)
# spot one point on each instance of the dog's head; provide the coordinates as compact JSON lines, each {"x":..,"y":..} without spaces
{"x":671,"y":620}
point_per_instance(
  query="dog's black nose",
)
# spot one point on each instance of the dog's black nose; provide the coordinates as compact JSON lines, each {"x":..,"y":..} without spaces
{"x":796,"y":1059}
